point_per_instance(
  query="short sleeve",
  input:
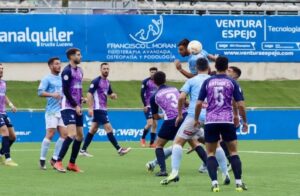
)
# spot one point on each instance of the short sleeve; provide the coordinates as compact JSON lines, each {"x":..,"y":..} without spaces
{"x":237,"y":92}
{"x":186,"y":88}
{"x":93,"y":86}
{"x":43,"y":86}
{"x":203,"y":91}
{"x":154,"y":106}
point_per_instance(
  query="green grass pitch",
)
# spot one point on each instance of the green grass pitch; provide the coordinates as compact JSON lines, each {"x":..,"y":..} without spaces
{"x":107,"y":173}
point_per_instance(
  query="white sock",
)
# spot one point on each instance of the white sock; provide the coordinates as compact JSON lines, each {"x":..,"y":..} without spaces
{"x":222,"y":161}
{"x":57,"y":148}
{"x":176,"y":157}
{"x":238,"y":181}
{"x":214,"y":182}
{"x":44,"y":148}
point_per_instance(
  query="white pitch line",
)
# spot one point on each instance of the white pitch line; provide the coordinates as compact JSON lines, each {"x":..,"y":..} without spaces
{"x":242,"y":151}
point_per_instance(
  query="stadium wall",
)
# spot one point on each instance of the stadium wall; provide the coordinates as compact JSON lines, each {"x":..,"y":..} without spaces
{"x":138,"y":71}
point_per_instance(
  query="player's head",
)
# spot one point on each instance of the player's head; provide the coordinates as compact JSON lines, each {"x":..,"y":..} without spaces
{"x":152,"y":71}
{"x":159,"y":78}
{"x":202,"y":65}
{"x":54,"y":65}
{"x":74,"y":55}
{"x":221,"y":64}
{"x":182,"y":47}
{"x":1,"y":70}
{"x":234,"y":72}
{"x":104,"y":67}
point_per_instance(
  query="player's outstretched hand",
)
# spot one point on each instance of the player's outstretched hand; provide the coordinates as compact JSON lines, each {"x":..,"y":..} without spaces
{"x":178,"y":120}
{"x":14,"y":109}
{"x":78,"y":111}
{"x":245,"y":128}
{"x":178,"y":65}
{"x":91,"y":112}
{"x":113,"y":96}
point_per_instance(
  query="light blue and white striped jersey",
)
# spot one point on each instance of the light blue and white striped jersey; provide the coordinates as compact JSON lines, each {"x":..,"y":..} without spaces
{"x":51,"y":84}
{"x":193,"y":61}
{"x":192,"y":88}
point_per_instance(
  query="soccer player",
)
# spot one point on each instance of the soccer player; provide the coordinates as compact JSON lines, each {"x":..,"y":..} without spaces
{"x":165,"y":98}
{"x":6,"y":128}
{"x":71,"y":110}
{"x":51,"y":88}
{"x":220,"y":90}
{"x":187,"y":132}
{"x":183,"y":51}
{"x":148,"y":89}
{"x":99,"y":89}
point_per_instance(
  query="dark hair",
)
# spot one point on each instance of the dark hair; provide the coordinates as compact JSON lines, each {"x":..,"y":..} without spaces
{"x":202,"y":64}
{"x":185,"y":42}
{"x":52,"y":59}
{"x":153,"y":69}
{"x":102,"y":64}
{"x":159,"y":78}
{"x":236,"y":70}
{"x":71,"y":52}
{"x":221,"y":63}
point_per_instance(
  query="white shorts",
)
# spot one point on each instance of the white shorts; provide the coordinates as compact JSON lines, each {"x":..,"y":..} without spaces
{"x":54,"y":120}
{"x":188,"y":131}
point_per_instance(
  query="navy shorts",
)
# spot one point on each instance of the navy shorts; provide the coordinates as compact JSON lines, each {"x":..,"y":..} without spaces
{"x":70,"y":117}
{"x":213,"y":131}
{"x":100,"y":117}
{"x":168,"y":131}
{"x":148,"y":113}
{"x":4,"y":120}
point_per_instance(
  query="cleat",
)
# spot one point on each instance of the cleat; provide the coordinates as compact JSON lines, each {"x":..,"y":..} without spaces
{"x":226,"y":179}
{"x":161,"y":174}
{"x":43,"y":165}
{"x":10,"y":163}
{"x":190,"y":150}
{"x":150,"y":167}
{"x":203,"y":169}
{"x":59,"y":167}
{"x":169,"y":179}
{"x":152,"y":146}
{"x":73,"y":167}
{"x":2,"y":160}
{"x":143,"y":142}
{"x":215,"y":188}
{"x":123,"y":151}
{"x":52,"y":162}
{"x":241,"y":187}
{"x":84,"y":153}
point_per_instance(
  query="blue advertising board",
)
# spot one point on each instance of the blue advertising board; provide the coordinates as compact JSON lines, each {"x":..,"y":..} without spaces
{"x":128,"y":125}
{"x":148,"y":38}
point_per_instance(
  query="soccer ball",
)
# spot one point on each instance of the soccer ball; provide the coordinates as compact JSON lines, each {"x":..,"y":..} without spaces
{"x":194,"y":47}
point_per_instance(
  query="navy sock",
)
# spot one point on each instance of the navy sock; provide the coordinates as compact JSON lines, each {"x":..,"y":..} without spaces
{"x":201,"y":153}
{"x":10,"y":144}
{"x":145,"y":132}
{"x":152,"y":138}
{"x":160,"y":156}
{"x":236,"y":165}
{"x":87,"y":141}
{"x":212,"y":166}
{"x":113,"y":140}
{"x":5,"y":147}
{"x":225,"y":148}
{"x":64,"y":148}
{"x":75,"y":150}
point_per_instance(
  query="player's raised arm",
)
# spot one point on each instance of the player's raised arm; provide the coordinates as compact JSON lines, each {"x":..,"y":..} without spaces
{"x":181,"y":70}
